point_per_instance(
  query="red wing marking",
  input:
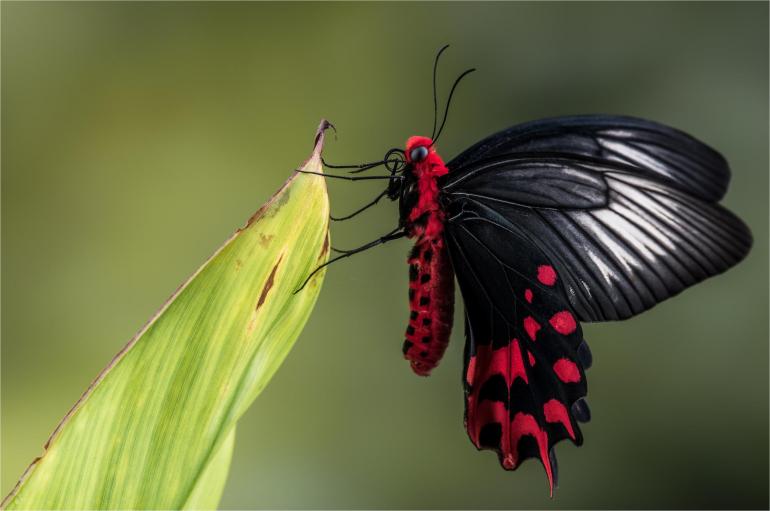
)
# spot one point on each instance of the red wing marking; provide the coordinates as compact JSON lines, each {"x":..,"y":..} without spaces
{"x":555,"y":412}
{"x":494,"y":371}
{"x":470,"y":372}
{"x":524,"y":424}
{"x":531,"y":326}
{"x":506,"y":361}
{"x":563,"y":322}
{"x":531,"y":359}
{"x":546,"y":274}
{"x":566,"y":370}
{"x":517,"y":363}
{"x":495,"y":414}
{"x":522,"y":376}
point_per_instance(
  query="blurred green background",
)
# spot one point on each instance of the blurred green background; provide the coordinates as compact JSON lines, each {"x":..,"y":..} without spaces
{"x":137,"y":136}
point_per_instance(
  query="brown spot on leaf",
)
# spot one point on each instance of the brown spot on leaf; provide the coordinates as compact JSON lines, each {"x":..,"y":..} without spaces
{"x":268,"y":284}
{"x":271,"y":207}
{"x":265,"y":239}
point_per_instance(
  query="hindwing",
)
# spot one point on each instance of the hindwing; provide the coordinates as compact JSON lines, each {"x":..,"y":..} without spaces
{"x":525,"y":357}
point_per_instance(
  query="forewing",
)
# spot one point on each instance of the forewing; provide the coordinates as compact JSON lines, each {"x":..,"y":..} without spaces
{"x":525,"y":356}
{"x":672,"y":155}
{"x":621,"y":240}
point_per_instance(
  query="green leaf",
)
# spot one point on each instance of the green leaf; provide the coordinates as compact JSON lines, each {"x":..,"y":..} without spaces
{"x":156,"y":429}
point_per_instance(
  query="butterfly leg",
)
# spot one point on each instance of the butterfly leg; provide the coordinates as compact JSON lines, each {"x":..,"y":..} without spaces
{"x":358,"y":167}
{"x":393,"y":235}
{"x":360,"y":210}
{"x":348,"y":178}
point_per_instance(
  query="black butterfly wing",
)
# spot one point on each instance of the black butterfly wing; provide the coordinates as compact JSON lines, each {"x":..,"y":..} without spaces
{"x":621,"y":239}
{"x":669,"y":154}
{"x":583,"y":218}
{"x":525,"y":357}
{"x":541,"y":241}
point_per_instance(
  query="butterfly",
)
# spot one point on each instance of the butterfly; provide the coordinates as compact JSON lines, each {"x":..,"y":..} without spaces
{"x":546,"y":225}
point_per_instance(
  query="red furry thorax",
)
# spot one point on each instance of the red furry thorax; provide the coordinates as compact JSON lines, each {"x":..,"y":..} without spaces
{"x":427,"y":172}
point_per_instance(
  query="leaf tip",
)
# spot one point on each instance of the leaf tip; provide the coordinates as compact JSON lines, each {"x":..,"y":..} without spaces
{"x":318,"y":142}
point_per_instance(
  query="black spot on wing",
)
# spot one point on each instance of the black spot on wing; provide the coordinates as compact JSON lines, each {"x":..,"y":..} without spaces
{"x":522,"y":399}
{"x":490,"y":435}
{"x":494,"y":389}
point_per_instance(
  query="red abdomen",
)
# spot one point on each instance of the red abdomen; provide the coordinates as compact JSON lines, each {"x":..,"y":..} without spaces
{"x":431,"y":304}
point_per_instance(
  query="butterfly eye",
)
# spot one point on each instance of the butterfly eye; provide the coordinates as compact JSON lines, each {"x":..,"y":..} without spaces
{"x":418,"y":154}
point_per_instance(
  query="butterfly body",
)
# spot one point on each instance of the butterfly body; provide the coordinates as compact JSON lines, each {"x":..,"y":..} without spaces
{"x":544,"y":225}
{"x":431,"y":280}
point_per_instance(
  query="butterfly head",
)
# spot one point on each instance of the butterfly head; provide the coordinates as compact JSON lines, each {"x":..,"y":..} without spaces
{"x":422,"y":158}
{"x":418,"y":149}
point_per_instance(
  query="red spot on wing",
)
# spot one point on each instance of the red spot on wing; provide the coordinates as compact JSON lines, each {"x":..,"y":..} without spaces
{"x":566,"y":370}
{"x":554,"y":412}
{"x":531,"y":326}
{"x":546,"y":274}
{"x":531,"y":358}
{"x":563,"y":322}
{"x":528,"y":295}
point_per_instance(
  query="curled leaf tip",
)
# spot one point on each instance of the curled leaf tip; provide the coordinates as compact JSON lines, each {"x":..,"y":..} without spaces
{"x":318,"y":142}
